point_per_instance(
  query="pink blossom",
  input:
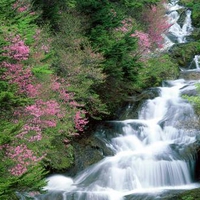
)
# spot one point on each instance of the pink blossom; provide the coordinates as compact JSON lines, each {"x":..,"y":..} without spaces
{"x":126,"y":26}
{"x":45,"y":48}
{"x":144,"y":41}
{"x":17,"y":50}
{"x":154,"y":8}
{"x":55,"y":85}
{"x":80,"y":122}
{"x":23,"y":157}
{"x":22,"y":77}
{"x":157,"y":24}
{"x":22,"y":9}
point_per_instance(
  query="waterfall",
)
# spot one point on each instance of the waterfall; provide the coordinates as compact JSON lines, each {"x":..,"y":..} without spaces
{"x":197,"y":61}
{"x":176,"y":33}
{"x":195,"y":64}
{"x":151,"y":154}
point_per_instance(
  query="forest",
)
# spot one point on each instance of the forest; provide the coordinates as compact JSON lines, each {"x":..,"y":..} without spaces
{"x":67,"y":64}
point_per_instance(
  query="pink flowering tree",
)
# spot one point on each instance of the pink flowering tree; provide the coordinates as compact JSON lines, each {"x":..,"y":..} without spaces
{"x":157,"y":24}
{"x":125,"y":27}
{"x":23,"y":156}
{"x":144,"y":43}
{"x":21,"y":6}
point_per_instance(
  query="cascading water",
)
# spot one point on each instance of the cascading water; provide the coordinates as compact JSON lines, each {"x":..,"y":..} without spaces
{"x":197,"y":61}
{"x":176,"y":33}
{"x":152,"y":154}
{"x":195,"y":64}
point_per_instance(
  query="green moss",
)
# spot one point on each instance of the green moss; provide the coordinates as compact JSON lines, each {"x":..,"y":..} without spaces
{"x":182,"y":54}
{"x":190,"y":195}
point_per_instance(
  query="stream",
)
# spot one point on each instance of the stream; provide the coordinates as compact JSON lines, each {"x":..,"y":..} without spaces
{"x":153,"y":154}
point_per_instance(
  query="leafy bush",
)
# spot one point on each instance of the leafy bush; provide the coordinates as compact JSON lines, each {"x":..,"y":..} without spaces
{"x":78,"y":63}
{"x":155,"y":70}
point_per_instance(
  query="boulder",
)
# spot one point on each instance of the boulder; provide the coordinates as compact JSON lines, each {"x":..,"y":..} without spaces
{"x":87,"y":151}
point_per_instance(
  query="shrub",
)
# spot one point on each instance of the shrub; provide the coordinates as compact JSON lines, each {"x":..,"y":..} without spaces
{"x":155,"y":70}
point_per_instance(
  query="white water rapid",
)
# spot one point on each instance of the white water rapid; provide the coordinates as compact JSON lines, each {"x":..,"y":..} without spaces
{"x":152,"y":154}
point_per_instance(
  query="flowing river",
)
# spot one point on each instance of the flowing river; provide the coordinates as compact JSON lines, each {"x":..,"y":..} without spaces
{"x":152,"y":154}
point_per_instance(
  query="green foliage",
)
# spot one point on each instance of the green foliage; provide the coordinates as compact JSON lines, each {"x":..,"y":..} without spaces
{"x":121,"y":63}
{"x":32,"y":180}
{"x":139,"y":4}
{"x":8,"y":131}
{"x":187,"y":198}
{"x":17,"y":23}
{"x":9,"y":184}
{"x":78,"y":63}
{"x":6,"y":10}
{"x":156,"y":70}
{"x":50,"y":11}
{"x":188,"y":195}
{"x":8,"y":100}
{"x":184,"y":53}
{"x":40,"y":71}
{"x":59,"y":157}
{"x":35,"y":173}
{"x":195,"y":100}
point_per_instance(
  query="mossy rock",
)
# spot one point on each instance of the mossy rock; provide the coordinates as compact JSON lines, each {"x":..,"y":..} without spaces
{"x":88,"y":151}
{"x":133,"y":104}
{"x":190,"y":75}
{"x":182,"y":54}
{"x":186,"y":195}
{"x":195,"y":34}
{"x":182,"y":17}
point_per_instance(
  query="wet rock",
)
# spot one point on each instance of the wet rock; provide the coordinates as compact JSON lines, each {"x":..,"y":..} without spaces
{"x":88,"y":151}
{"x":164,"y":195}
{"x":182,"y":17}
{"x":56,"y":195}
{"x":172,"y":37}
{"x":190,"y":75}
{"x":187,"y":195}
{"x":132,"y":106}
{"x":190,"y":89}
{"x":189,"y":92}
{"x":140,"y":197}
